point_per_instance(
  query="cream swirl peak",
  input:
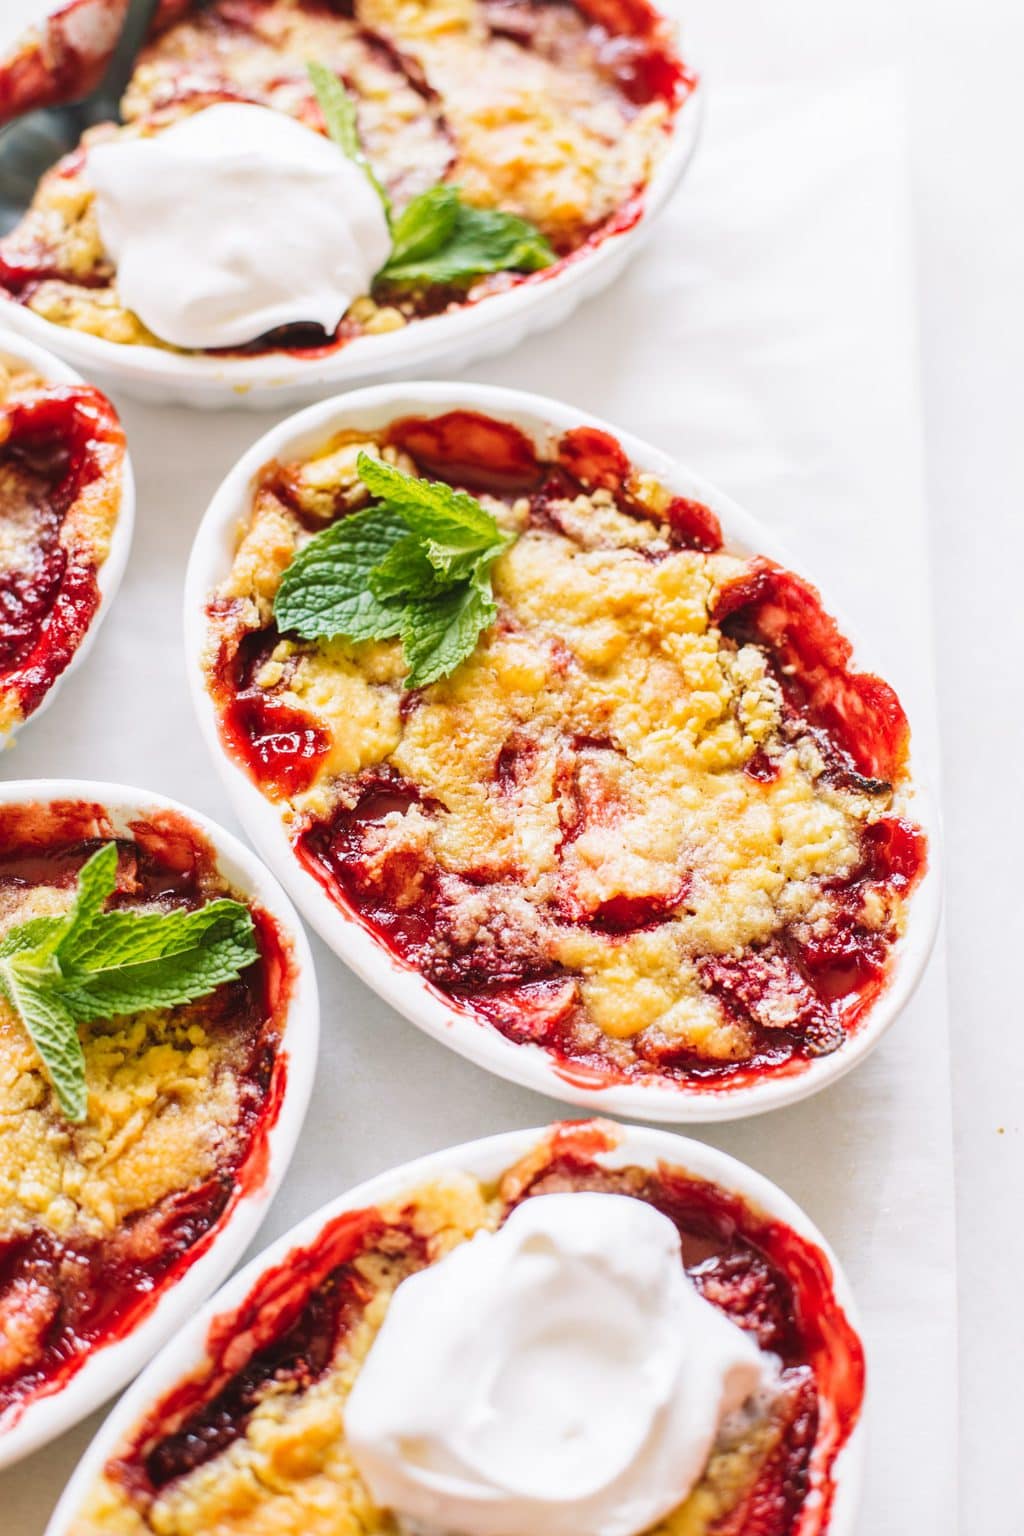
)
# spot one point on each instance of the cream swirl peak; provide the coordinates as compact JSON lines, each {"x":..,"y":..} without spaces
{"x":233,"y":222}
{"x":562,"y":1376}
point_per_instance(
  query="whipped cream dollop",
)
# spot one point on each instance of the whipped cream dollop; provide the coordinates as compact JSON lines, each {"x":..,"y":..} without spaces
{"x":234,"y":221}
{"x":560,"y":1377}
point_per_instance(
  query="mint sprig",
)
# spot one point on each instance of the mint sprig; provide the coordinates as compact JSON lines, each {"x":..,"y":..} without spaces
{"x":416,"y":564}
{"x":339,"y":114}
{"x":59,"y":972}
{"x":438,"y":240}
{"x":441,"y":241}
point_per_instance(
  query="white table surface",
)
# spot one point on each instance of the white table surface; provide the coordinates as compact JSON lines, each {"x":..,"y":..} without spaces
{"x":967,"y":122}
{"x":969,"y":247}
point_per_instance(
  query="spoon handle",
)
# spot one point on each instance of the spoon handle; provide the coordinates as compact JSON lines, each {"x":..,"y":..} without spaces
{"x":134,"y":28}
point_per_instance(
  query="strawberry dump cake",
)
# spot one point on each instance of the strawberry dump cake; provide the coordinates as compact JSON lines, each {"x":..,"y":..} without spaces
{"x":622,"y":1349}
{"x":476,"y":142}
{"x":610,"y":787}
{"x":141,"y":1008}
{"x":62,"y":458}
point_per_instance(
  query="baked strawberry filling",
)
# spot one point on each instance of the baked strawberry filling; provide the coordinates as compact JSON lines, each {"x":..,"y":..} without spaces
{"x":62,"y":58}
{"x":99,"y":1217}
{"x":259,"y":1426}
{"x":652,"y":821}
{"x":61,"y":465}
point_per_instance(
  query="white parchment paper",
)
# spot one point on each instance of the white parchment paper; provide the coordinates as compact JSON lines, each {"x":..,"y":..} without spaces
{"x":767,"y":337}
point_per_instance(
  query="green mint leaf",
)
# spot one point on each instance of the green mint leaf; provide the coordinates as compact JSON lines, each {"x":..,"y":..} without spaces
{"x":59,"y":972}
{"x":170,"y":958}
{"x":37,"y":933}
{"x":465,"y":565}
{"x":406,"y":572}
{"x":416,"y":564}
{"x":125,"y":937}
{"x":439,"y":635}
{"x":425,"y":225}
{"x":97,"y":879}
{"x":337,"y":106}
{"x":325,"y":591}
{"x":451,"y":521}
{"x":52,"y":1029}
{"x":340,"y":117}
{"x":478,"y":241}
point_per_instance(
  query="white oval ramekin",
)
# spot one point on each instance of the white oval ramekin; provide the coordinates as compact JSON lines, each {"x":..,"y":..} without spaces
{"x":403,"y":987}
{"x":15,"y":349}
{"x":107,"y":1368}
{"x":440,"y":343}
{"x":486,"y":1160}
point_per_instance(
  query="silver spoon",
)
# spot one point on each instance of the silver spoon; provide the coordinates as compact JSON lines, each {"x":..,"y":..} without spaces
{"x":33,"y":142}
